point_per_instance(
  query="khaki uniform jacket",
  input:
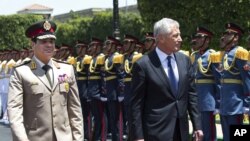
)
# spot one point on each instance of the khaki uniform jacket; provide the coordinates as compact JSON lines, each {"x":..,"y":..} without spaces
{"x":39,"y":112}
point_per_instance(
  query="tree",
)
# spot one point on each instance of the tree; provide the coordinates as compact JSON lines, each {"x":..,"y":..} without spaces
{"x":212,"y":14}
{"x":12,"y":30}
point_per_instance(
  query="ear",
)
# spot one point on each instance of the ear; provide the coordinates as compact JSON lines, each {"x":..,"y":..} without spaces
{"x":236,"y":38}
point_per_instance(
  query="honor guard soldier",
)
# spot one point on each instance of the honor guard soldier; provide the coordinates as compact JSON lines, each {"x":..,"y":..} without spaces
{"x":7,"y":71}
{"x":149,"y":42}
{"x":233,"y":78}
{"x":65,"y":51}
{"x":95,"y":89}
{"x":43,"y":98}
{"x":139,"y":47}
{"x":113,"y":86}
{"x":82,"y":66}
{"x":129,"y":44}
{"x":3,"y":90}
{"x":206,"y":88}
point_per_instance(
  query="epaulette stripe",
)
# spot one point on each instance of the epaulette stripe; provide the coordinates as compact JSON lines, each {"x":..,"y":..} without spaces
{"x":23,"y":63}
{"x":61,"y":61}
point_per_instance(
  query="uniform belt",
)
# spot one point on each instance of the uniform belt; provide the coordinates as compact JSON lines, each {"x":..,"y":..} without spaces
{"x":81,"y":78}
{"x":204,"y":81}
{"x":231,"y":81}
{"x":127,"y":79}
{"x":94,"y":77}
{"x":110,"y":78}
{"x":81,"y":72}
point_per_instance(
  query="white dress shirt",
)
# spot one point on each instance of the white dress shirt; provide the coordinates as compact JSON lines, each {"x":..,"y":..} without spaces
{"x":164,"y":62}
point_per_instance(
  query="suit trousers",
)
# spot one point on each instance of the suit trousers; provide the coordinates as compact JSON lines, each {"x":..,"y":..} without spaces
{"x":177,"y":131}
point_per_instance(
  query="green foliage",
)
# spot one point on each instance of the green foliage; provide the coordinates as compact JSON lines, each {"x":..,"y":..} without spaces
{"x":12,"y":30}
{"x":100,"y":26}
{"x":73,"y":30}
{"x":212,"y":14}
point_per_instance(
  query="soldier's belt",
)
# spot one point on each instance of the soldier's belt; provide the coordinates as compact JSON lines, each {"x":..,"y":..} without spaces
{"x":127,"y":79}
{"x":204,"y":81}
{"x":110,"y":78}
{"x":94,"y":77}
{"x":81,"y":78}
{"x":81,"y":72}
{"x":231,"y":81}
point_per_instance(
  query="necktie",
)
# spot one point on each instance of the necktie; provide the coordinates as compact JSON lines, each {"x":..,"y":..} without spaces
{"x":46,"y":69}
{"x":171,"y":76}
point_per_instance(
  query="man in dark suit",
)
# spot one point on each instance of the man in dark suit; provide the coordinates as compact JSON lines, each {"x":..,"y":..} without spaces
{"x":162,"y":91}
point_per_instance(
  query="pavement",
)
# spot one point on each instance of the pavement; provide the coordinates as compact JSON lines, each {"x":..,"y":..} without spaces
{"x":5,"y":133}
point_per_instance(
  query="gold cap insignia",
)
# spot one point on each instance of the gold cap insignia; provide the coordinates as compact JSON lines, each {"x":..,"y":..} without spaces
{"x":46,"y":25}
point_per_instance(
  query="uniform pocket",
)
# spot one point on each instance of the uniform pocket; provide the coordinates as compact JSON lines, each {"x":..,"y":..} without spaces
{"x":32,"y":125}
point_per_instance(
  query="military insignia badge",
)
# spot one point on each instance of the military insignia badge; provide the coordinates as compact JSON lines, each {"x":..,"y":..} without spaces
{"x":46,"y":25}
{"x":33,"y":65}
{"x":66,"y":87}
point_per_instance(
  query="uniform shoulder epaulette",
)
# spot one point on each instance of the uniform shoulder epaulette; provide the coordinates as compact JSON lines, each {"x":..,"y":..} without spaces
{"x":185,"y":52}
{"x":241,"y":53}
{"x":118,"y":58}
{"x":192,"y":56}
{"x":136,"y":57}
{"x":87,"y":59}
{"x":23,"y":63}
{"x":216,"y":57}
{"x":71,"y":60}
{"x":212,"y":50}
{"x":59,"y":61}
{"x":248,"y":56}
{"x":100,"y":59}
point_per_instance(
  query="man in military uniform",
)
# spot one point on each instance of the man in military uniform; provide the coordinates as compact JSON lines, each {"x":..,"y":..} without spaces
{"x":233,"y":78}
{"x":43,"y":98}
{"x":129,"y":44}
{"x":149,"y":42}
{"x":95,"y":89}
{"x":113,"y":86}
{"x":139,"y":47}
{"x":4,"y":88}
{"x":205,"y":84}
{"x":82,"y":67}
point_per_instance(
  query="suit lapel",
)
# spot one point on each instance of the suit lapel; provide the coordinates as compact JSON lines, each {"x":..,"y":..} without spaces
{"x":181,"y":71}
{"x":39,"y":72}
{"x":159,"y":70}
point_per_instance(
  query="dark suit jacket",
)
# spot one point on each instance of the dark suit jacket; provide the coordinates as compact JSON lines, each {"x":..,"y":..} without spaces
{"x":153,"y":108}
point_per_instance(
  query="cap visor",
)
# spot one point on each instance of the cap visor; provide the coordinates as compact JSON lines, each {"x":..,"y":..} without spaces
{"x":46,"y":36}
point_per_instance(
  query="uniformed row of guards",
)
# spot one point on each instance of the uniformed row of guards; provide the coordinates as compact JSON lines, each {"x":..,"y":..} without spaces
{"x":103,"y":74}
{"x":104,"y":78}
{"x":103,"y":71}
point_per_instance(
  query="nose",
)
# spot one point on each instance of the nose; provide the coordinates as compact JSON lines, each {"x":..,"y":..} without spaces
{"x":180,"y":39}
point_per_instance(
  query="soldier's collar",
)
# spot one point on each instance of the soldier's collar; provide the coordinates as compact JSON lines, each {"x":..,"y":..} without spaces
{"x":56,"y":64}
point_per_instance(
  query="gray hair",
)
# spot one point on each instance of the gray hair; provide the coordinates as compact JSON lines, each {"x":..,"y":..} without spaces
{"x":164,"y":26}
